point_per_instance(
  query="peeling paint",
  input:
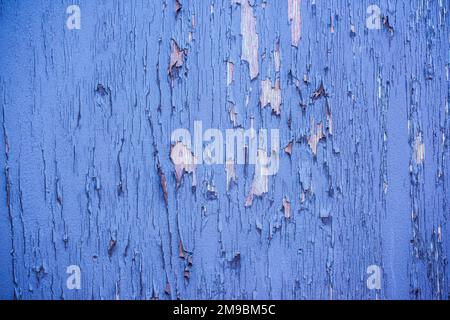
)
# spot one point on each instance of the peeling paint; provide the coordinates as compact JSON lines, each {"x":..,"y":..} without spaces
{"x":91,"y":176}
{"x":419,"y":149}
{"x":271,"y":95}
{"x":250,"y":39}
{"x":176,"y":58}
{"x":287,"y":208}
{"x":260,"y":184}
{"x":315,"y":136}
{"x":231,"y":172}
{"x":288,"y":148}
{"x":230,"y":72}
{"x":295,"y":20}
{"x":184,"y":161}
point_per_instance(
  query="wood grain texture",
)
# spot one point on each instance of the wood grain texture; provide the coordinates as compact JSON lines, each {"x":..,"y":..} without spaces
{"x":86,"y":121}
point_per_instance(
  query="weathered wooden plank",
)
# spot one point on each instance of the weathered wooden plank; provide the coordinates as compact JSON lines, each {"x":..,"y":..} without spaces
{"x":89,"y":175}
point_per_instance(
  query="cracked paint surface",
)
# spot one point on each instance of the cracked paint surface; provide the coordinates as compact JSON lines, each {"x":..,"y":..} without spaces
{"x":88,"y":172}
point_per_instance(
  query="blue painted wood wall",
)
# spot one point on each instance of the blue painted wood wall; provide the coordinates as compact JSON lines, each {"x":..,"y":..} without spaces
{"x":86,"y":120}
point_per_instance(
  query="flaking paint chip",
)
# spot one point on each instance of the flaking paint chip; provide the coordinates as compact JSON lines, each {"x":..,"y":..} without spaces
{"x":260,"y":184}
{"x":176,"y":58}
{"x":288,"y":148}
{"x":295,"y":21}
{"x":250,"y":40}
{"x":419,"y":149}
{"x":177,"y":6}
{"x":230,"y":72}
{"x":320,"y":92}
{"x":271,"y":95}
{"x":184,"y":161}
{"x":181,"y":250}
{"x":287,"y":208}
{"x":316,"y":135}
{"x":231,"y":173}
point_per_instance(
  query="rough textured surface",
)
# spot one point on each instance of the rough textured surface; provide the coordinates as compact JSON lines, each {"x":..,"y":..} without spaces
{"x":86,"y":118}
